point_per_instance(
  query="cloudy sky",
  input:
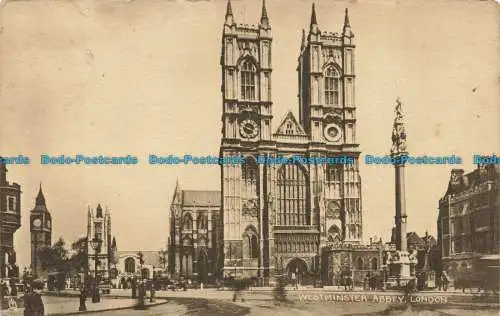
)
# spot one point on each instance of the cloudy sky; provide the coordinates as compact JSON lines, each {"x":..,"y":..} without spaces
{"x":137,"y":77}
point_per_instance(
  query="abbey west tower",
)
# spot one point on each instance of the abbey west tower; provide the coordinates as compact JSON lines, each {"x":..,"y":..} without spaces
{"x":277,"y":217}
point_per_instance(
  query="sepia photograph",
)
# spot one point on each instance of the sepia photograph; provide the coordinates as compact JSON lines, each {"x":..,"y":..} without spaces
{"x":249,"y":157}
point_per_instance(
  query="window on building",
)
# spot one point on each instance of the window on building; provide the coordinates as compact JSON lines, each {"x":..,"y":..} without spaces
{"x":11,"y":204}
{"x":187,"y":222}
{"x":98,"y":231}
{"x":359,"y":263}
{"x":374,"y":264}
{"x":333,"y":172}
{"x":289,"y":128}
{"x":254,"y":247}
{"x":202,"y":221}
{"x":248,"y":80}
{"x":252,"y":244}
{"x":129,"y":265}
{"x":249,"y":173}
{"x":332,"y":80}
{"x":292,"y":196}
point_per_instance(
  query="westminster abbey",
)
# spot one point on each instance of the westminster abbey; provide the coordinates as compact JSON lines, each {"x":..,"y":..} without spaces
{"x":301,"y":219}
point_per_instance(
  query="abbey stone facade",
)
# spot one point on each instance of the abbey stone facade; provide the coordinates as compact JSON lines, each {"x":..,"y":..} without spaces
{"x":296,"y":217}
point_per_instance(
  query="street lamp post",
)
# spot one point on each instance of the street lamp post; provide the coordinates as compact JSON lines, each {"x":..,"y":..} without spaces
{"x":83,"y":285}
{"x":96,"y":245}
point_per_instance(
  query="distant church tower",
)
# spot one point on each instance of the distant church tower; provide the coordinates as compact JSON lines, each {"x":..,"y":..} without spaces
{"x":41,"y":231}
{"x":99,"y":226}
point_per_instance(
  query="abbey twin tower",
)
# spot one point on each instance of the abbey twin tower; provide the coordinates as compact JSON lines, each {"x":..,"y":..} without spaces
{"x":284,"y":218}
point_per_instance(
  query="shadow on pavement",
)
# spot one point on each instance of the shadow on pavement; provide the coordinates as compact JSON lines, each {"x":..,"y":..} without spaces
{"x":419,"y":310}
{"x":204,"y":307}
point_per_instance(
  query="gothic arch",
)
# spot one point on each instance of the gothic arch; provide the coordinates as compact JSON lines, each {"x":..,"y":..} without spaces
{"x":129,"y":263}
{"x":332,"y":84}
{"x":374,"y":264}
{"x":202,"y":221}
{"x":187,"y":221}
{"x":335,"y":66}
{"x":247,"y":58}
{"x":251,"y":243}
{"x":334,"y":232}
{"x":359,"y":263}
{"x":293,"y":195}
{"x":296,"y":265}
{"x":248,"y":82}
{"x":250,"y":176}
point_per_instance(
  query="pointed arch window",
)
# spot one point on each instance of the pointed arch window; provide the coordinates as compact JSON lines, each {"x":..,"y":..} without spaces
{"x":202,"y":221}
{"x":332,"y":83}
{"x":251,"y":243}
{"x":187,"y":222}
{"x":250,"y":175}
{"x":359,"y":264}
{"x":248,"y":80}
{"x":254,"y":247}
{"x":292,"y":196}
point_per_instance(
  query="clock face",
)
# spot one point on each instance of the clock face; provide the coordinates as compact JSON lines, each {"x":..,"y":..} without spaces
{"x":37,"y":223}
{"x":249,"y":129}
{"x":332,"y":133}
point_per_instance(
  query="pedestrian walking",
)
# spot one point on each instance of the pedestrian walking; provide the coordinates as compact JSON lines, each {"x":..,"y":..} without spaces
{"x":33,"y":303}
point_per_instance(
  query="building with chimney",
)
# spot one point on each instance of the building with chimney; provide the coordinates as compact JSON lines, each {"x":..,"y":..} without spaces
{"x":41,"y":232}
{"x":99,"y":228}
{"x":10,"y":222}
{"x":468,"y":220}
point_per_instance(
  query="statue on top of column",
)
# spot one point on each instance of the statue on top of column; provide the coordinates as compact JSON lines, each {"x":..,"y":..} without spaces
{"x":398,"y":131}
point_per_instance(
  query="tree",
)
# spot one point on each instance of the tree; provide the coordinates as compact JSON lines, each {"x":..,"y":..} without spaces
{"x":55,"y":258}
{"x":163,"y":258}
{"x":79,"y":259}
{"x":140,"y":255}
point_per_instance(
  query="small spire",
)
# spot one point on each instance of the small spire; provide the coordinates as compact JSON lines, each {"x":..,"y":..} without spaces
{"x":40,"y":199}
{"x":229,"y":10}
{"x":314,"y":21}
{"x":346,"y":19}
{"x":99,"y":211}
{"x":229,"y":14}
{"x":347,"y":32}
{"x":264,"y":19}
{"x":303,"y":43}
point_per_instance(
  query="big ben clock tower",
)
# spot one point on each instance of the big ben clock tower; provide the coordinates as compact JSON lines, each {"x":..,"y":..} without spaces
{"x":41,"y":231}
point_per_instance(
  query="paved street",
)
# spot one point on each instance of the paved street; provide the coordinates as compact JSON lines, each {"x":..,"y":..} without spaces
{"x":212,"y":302}
{"x":65,"y":305}
{"x":259,"y":302}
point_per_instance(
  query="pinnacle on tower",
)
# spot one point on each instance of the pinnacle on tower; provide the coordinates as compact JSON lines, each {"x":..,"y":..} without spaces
{"x":313,"y":27}
{"x":314,"y":21}
{"x":303,"y":41}
{"x":264,"y":19}
{"x":40,"y":199}
{"x":347,"y":25}
{"x":229,"y":14}
{"x":346,"y":19}
{"x":99,"y":211}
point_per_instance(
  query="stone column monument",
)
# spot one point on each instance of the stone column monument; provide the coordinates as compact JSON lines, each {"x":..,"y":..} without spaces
{"x":400,"y":260}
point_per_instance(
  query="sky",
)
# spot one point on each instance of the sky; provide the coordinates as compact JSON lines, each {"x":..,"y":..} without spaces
{"x":143,"y":77}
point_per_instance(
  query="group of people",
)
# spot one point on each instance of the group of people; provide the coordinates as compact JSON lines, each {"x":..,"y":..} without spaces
{"x":33,"y":303}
